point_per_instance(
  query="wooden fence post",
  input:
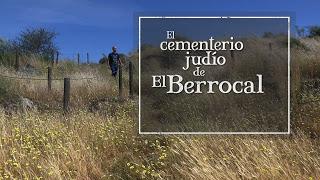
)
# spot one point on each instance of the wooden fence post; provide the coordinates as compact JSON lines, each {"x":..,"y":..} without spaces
{"x":52,"y":57}
{"x":66,"y":94}
{"x":49,"y":78}
{"x":87,"y":58}
{"x":57,"y":58}
{"x":130,"y":79}
{"x":120,"y":81}
{"x":78,"y":58}
{"x":232,"y":55}
{"x":16,"y":65}
{"x":270,"y":46}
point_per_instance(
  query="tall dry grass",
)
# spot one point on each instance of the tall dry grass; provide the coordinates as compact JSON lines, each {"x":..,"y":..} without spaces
{"x":89,"y":83}
{"x":218,"y":112}
{"x":105,"y":144}
{"x":85,"y":145}
{"x":247,"y":157}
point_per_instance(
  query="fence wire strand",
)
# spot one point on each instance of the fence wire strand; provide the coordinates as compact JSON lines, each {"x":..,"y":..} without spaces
{"x":44,"y":79}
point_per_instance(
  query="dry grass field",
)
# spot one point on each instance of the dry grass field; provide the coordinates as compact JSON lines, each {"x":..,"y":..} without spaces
{"x":98,"y":138}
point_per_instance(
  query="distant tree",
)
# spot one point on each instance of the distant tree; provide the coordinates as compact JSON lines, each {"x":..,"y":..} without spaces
{"x":104,"y":59}
{"x":300,"y":31}
{"x":123,"y":57}
{"x":2,"y":44}
{"x":37,"y":41}
{"x":314,"y":31}
{"x":5,"y":51}
{"x":5,"y":47}
{"x":268,"y":35}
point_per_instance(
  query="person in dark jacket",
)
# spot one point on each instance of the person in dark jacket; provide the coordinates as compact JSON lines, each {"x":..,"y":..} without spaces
{"x":114,"y":61}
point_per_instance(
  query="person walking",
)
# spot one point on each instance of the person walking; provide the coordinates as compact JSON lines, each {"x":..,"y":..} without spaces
{"x":114,"y":61}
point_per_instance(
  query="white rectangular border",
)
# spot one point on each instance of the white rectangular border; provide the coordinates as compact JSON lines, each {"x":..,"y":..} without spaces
{"x":203,"y":17}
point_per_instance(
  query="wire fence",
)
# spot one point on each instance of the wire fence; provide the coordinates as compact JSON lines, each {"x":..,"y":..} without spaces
{"x":80,"y":57}
{"x":17,"y":58}
{"x":66,"y":88}
{"x":44,"y":79}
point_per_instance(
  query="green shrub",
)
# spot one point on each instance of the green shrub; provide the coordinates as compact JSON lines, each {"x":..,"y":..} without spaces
{"x":296,"y":43}
{"x":314,"y":31}
{"x":6,"y":90}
